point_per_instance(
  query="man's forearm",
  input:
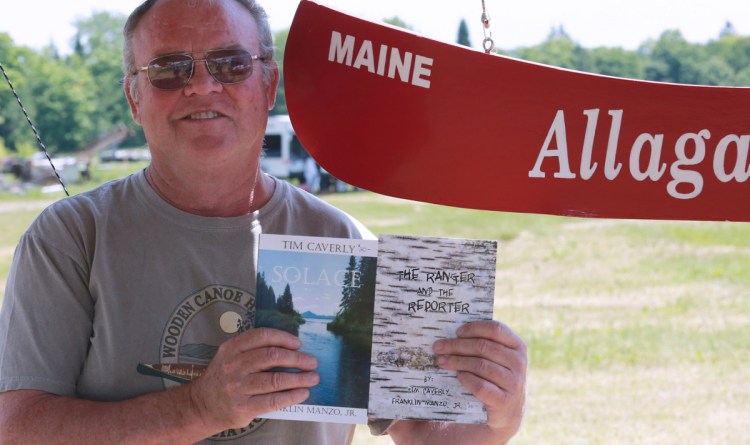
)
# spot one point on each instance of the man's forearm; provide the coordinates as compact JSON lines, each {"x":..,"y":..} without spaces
{"x":166,"y":417}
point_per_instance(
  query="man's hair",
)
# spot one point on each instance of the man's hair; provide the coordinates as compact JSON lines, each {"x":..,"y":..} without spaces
{"x":265,"y":37}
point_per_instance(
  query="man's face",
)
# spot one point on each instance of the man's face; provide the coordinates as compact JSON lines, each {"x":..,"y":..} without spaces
{"x":205,"y":124}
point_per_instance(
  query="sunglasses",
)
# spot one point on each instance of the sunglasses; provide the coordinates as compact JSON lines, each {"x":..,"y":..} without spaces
{"x":174,"y":71}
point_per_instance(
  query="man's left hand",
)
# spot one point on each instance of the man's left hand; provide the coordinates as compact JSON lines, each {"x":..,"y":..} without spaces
{"x":491,"y":363}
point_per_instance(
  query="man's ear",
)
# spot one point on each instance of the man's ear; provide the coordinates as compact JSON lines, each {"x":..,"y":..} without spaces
{"x":273,"y":85}
{"x":130,"y":85}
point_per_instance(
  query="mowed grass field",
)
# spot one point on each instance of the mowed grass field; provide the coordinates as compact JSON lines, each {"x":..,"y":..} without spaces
{"x":638,"y":331}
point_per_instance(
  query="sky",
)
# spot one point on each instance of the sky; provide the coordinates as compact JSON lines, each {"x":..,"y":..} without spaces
{"x":592,"y":23}
{"x":314,"y":285}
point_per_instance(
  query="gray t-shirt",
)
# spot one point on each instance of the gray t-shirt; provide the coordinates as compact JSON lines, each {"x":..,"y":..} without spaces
{"x":115,"y":278}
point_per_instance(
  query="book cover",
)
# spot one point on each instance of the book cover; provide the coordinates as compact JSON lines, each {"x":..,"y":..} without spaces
{"x":322,"y":291}
{"x":426,"y":288}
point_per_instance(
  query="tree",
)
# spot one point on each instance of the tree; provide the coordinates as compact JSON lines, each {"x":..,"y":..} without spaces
{"x":64,"y":102}
{"x":616,"y":62}
{"x":57,"y":98}
{"x":732,"y":49}
{"x":365,"y":292}
{"x":463,"y":34}
{"x":98,"y":48}
{"x":72,"y":100}
{"x":742,"y":78}
{"x":558,"y":50}
{"x":285,"y":303}
{"x":397,"y":22}
{"x":280,"y":42}
{"x":728,"y":30}
{"x":13,"y":126}
{"x":265,"y":298}
{"x":358,"y":298}
{"x":348,"y":291}
{"x":674,"y":59}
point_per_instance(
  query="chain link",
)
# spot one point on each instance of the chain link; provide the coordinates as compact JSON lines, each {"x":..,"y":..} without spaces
{"x":488,"y":44}
{"x":33,"y":128}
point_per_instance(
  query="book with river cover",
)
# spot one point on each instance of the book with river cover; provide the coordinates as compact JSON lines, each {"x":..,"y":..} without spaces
{"x":322,"y":290}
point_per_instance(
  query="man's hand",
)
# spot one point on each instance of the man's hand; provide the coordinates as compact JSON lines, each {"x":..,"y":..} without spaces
{"x":235,"y":389}
{"x":491,"y":363}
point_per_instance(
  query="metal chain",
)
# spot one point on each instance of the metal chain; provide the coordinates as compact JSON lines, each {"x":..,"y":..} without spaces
{"x":488,"y":44}
{"x":33,"y":128}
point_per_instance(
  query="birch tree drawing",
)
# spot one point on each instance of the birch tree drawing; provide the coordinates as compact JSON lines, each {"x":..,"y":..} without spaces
{"x":426,"y":288}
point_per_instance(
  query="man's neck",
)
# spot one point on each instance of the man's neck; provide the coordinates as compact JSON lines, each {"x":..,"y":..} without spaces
{"x":216,"y":198}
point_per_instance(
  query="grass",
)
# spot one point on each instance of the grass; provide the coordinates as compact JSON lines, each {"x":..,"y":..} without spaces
{"x":637,"y":330}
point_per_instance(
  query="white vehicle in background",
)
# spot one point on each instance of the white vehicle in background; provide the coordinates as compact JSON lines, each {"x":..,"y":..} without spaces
{"x":40,"y":170}
{"x":283,"y":154}
{"x":284,"y":157}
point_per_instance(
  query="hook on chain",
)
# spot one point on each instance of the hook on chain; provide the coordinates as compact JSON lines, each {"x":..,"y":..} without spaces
{"x":488,"y":44}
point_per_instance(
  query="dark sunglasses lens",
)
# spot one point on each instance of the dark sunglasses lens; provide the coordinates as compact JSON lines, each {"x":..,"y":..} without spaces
{"x":170,"y":72}
{"x":230,"y":66}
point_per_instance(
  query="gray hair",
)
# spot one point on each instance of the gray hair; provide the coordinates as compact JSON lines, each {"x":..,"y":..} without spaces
{"x":265,"y":36}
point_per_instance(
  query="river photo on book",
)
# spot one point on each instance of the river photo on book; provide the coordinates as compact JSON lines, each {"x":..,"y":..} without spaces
{"x":322,"y":290}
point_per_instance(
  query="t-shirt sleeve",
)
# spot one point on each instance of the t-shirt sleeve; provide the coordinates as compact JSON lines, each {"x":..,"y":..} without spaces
{"x":46,"y":320}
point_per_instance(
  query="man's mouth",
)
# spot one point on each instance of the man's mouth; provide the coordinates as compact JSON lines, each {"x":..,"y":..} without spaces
{"x":203,"y":115}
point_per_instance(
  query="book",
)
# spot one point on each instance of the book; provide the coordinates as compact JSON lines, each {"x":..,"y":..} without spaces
{"x":370,"y":310}
{"x":426,"y":289}
{"x":322,"y":290}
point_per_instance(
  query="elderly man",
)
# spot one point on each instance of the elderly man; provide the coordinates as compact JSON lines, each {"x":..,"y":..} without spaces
{"x":124,"y":275}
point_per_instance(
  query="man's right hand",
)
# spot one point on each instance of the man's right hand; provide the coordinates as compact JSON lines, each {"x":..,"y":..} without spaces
{"x":238,"y":386}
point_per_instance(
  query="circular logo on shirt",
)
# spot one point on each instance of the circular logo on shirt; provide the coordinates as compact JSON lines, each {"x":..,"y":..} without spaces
{"x":193,"y":333}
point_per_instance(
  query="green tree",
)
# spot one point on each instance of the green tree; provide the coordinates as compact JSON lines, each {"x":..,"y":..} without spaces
{"x":280,"y":39}
{"x":63,"y":105}
{"x":616,"y":62}
{"x":463,"y":34}
{"x":4,"y":152}
{"x":365,"y":293}
{"x":348,"y":291}
{"x":716,"y":71}
{"x":57,"y":99}
{"x":265,"y":298}
{"x":358,"y":297}
{"x":742,"y":78}
{"x":734,"y":50}
{"x":671,"y":58}
{"x":285,"y":303}
{"x":397,"y":22}
{"x":558,"y":50}
{"x":13,"y":126}
{"x":728,"y":30}
{"x":98,"y":48}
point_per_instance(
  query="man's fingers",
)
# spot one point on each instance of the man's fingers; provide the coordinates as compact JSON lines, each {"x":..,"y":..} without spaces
{"x":267,"y":403}
{"x":488,"y":393}
{"x":491,"y":330}
{"x":490,"y":360}
{"x":491,"y":340}
{"x":463,"y":353}
{"x":271,"y":382}
{"x":496,"y":373}
{"x":260,"y":338}
{"x":269,"y":358}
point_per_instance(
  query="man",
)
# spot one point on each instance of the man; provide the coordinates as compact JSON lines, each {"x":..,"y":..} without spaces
{"x":141,"y":273}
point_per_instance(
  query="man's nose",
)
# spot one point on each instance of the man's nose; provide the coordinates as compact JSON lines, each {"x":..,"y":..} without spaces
{"x":202,"y":82}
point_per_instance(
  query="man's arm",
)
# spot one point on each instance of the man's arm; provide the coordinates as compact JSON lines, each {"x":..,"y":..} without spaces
{"x":231,"y":393}
{"x":491,"y":363}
